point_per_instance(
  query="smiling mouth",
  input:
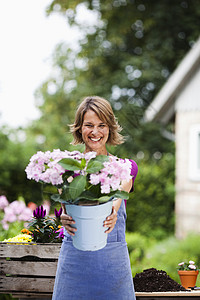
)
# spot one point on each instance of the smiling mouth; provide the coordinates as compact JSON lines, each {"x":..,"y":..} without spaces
{"x":95,"y":140}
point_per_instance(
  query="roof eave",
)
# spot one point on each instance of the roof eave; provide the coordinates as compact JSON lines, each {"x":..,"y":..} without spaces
{"x":162,"y":107}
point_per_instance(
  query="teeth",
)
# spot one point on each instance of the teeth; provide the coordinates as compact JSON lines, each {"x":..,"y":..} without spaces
{"x":95,"y":140}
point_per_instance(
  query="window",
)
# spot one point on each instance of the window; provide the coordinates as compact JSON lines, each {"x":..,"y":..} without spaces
{"x":194,"y":152}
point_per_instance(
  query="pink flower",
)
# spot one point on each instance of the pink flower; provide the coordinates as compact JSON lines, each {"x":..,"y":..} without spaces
{"x":111,"y":176}
{"x":105,"y":188}
{"x":9,"y":216}
{"x":192,"y":267}
{"x":90,"y":155}
{"x":3,"y":202}
{"x":16,"y":211}
{"x":94,"y":179}
{"x":25,"y":215}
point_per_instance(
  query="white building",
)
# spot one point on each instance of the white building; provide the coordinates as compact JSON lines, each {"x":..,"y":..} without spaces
{"x":179,"y":99}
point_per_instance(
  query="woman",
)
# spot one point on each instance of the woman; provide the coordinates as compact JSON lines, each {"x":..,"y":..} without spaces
{"x":105,"y":273}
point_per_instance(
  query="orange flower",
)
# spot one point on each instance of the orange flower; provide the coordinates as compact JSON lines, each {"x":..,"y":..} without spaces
{"x":32,"y":205}
{"x":26,"y":231}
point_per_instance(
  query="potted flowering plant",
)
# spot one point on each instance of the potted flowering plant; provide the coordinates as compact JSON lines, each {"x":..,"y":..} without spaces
{"x":188,"y":273}
{"x":43,"y":228}
{"x":81,"y":178}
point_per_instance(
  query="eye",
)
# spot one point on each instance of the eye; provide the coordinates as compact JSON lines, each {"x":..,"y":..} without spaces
{"x":102,"y":125}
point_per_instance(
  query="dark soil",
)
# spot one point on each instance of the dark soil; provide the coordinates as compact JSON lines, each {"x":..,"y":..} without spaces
{"x":152,"y":280}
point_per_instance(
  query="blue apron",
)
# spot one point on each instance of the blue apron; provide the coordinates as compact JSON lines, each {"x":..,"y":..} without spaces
{"x":96,"y":275}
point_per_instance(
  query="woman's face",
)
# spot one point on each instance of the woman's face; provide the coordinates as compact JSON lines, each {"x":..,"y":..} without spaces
{"x":94,"y":133}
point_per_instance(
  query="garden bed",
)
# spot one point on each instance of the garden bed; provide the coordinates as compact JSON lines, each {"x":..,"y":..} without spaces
{"x":28,"y":270}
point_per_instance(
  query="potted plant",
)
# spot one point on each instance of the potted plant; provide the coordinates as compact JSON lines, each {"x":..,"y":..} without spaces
{"x":188,"y":273}
{"x":82,"y":179}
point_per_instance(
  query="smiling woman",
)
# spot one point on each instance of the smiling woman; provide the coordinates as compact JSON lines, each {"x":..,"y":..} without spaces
{"x":104,"y":117}
{"x":95,"y":133}
{"x":105,"y":273}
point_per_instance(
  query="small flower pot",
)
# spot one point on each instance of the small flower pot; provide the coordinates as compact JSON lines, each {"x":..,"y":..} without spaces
{"x":188,"y":278}
{"x":90,"y":234}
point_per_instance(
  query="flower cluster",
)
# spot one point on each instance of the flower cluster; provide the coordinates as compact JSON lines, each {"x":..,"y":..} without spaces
{"x":80,"y":176}
{"x":111,"y":176}
{"x":190,"y":266}
{"x":14,"y":211}
{"x":20,"y":238}
{"x":44,"y":166}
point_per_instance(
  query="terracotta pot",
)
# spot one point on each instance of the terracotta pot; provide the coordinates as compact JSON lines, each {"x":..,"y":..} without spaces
{"x":188,"y":278}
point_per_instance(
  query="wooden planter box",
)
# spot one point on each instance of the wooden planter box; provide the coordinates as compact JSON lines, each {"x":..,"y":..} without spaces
{"x":28,"y":270}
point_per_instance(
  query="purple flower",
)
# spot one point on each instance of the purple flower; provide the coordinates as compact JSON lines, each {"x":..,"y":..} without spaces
{"x":39,"y":212}
{"x":58,"y":213}
{"x":61,"y":233}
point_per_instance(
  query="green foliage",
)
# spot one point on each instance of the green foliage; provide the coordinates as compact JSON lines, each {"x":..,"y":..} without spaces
{"x":166,"y":255}
{"x":14,"y":229}
{"x":126,"y":56}
{"x":151,"y":209}
{"x":14,"y":155}
{"x":138,"y":245}
{"x":131,"y":49}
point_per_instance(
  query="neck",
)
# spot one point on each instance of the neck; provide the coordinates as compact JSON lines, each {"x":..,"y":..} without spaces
{"x":99,"y":152}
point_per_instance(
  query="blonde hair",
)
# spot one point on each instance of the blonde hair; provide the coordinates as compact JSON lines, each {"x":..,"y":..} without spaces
{"x":104,"y":112}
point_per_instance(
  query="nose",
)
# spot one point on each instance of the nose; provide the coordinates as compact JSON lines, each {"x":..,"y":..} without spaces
{"x":94,"y":130}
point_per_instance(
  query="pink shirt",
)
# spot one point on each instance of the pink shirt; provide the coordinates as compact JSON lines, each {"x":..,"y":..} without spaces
{"x":134,"y":172}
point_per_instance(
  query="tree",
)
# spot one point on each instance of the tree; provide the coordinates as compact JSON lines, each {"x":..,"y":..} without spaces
{"x":125,"y":56}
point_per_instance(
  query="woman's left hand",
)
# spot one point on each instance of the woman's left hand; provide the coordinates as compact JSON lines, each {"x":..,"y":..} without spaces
{"x":111,"y":221}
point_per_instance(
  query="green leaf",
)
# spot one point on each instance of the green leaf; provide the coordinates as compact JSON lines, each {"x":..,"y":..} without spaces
{"x":86,"y":195}
{"x":77,"y":186}
{"x":83,"y":163}
{"x":120,"y":194}
{"x":56,"y":197}
{"x":101,"y":158}
{"x":104,"y":199}
{"x":96,"y":164}
{"x":70,"y":164}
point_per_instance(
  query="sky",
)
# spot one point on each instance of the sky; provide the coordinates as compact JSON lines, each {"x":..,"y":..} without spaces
{"x":27,"y":38}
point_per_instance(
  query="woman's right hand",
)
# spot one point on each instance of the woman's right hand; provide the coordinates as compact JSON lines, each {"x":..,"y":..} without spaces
{"x":66,"y":221}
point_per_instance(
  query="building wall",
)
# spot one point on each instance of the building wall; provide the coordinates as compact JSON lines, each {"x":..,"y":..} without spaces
{"x":187,"y":203}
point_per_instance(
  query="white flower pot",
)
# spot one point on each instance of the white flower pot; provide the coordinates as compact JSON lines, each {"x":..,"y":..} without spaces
{"x":90,"y":234}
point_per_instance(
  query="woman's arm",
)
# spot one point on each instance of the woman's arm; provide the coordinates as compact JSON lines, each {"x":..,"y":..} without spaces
{"x":112,"y":219}
{"x":67,"y":221}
